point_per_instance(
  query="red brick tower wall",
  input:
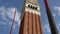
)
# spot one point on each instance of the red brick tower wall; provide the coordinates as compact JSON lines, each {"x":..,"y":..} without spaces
{"x":31,"y":18}
{"x":31,"y":24}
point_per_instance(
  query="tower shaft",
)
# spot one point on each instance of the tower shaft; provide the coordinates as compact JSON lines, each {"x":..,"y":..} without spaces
{"x":31,"y":18}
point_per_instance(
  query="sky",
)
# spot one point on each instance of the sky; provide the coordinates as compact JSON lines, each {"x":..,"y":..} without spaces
{"x":7,"y":8}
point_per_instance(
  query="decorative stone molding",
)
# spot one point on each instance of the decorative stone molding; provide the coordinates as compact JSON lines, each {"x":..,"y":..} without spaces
{"x":32,"y":11}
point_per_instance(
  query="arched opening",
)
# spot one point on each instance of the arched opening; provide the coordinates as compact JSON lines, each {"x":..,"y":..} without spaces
{"x":31,"y":6}
{"x":28,"y":5}
{"x":35,"y":8}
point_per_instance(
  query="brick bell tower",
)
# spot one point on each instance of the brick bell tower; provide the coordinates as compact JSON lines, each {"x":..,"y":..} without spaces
{"x":30,"y":18}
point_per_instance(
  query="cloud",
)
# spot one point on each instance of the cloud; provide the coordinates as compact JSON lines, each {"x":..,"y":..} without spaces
{"x":54,"y":14}
{"x":58,"y":27}
{"x":7,"y":15}
{"x":58,"y":9}
{"x":46,"y":28}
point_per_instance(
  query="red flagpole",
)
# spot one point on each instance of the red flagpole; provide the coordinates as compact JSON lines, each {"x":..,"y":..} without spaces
{"x":13,"y":22}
